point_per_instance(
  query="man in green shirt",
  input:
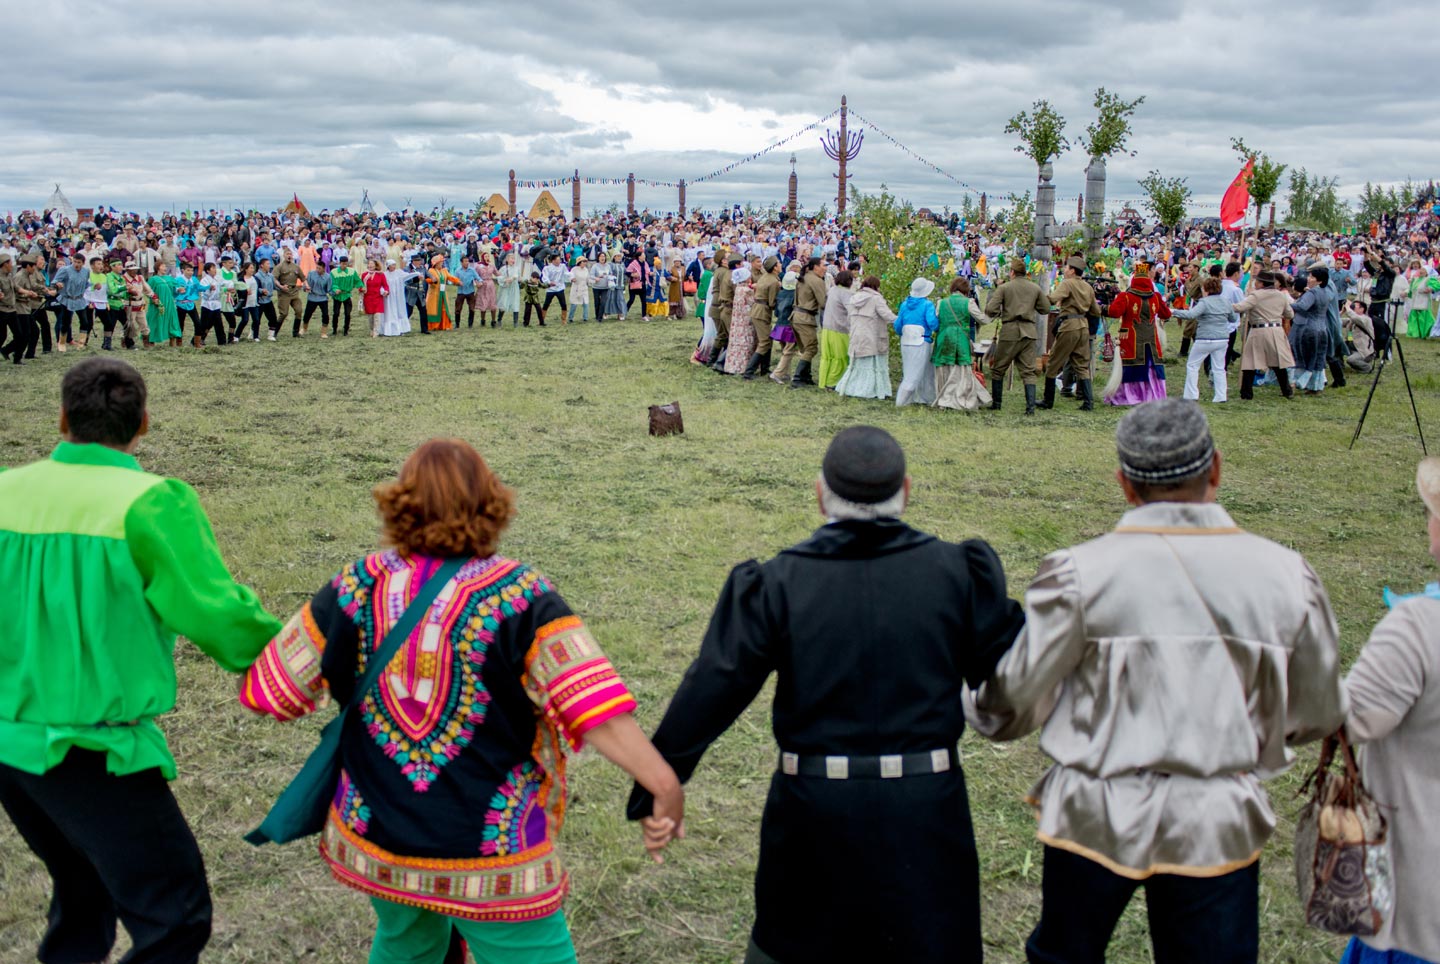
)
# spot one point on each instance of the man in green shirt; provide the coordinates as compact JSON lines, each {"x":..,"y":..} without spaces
{"x":343,"y":282}
{"x":96,"y":590}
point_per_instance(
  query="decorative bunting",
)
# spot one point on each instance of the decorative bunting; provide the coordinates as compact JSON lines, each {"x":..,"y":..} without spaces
{"x":761,"y":153}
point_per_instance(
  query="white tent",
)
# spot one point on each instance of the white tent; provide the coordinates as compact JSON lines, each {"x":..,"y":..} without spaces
{"x":363,"y":206}
{"x":380,"y":208}
{"x":61,"y":205}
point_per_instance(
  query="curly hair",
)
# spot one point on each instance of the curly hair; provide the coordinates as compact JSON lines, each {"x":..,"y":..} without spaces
{"x":446,"y":502}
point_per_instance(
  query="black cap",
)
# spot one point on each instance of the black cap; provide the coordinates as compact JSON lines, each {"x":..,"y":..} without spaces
{"x":864,"y":464}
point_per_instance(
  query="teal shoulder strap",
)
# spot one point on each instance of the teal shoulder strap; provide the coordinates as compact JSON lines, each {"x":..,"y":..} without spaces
{"x":403,"y":627}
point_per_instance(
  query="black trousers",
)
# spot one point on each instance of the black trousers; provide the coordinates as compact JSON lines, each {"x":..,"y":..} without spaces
{"x":599,"y":294}
{"x":249,"y":316}
{"x":342,"y":308}
{"x":553,"y":296}
{"x":109,"y":318}
{"x":26,"y":330}
{"x":310,"y":307}
{"x":116,"y":848}
{"x":211,"y":320}
{"x":267,"y":311}
{"x":1215,"y":920}
{"x":1247,"y":382}
{"x":18,"y":340}
{"x":538,"y":313}
{"x":193,"y":314}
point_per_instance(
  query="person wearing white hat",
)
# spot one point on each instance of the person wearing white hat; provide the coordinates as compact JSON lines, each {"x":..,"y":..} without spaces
{"x":1394,"y":692}
{"x":915,"y":324}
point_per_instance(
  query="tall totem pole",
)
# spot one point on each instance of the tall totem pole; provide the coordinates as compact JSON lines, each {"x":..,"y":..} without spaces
{"x":841,"y":149}
{"x":512,"y":192}
{"x":575,"y":196}
{"x":792,"y":205}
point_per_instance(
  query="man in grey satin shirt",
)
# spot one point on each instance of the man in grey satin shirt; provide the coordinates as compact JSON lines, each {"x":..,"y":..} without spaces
{"x":1170,"y":665}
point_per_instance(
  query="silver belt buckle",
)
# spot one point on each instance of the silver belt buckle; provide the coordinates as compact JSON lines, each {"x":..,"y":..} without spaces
{"x":939,"y":761}
{"x":837,"y":768}
{"x":892,"y":766}
{"x":789,"y":764}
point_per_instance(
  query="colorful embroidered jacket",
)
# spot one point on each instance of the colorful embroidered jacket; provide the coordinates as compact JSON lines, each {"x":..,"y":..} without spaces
{"x":103,"y":565}
{"x":453,"y":788}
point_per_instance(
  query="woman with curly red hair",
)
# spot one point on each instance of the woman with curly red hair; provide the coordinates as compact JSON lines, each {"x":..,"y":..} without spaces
{"x":452,"y":791}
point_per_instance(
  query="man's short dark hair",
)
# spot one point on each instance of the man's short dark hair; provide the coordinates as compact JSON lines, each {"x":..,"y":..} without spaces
{"x":1232,"y":269}
{"x":104,"y":401}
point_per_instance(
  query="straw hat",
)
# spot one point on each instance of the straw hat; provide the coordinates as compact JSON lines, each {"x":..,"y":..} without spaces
{"x":1427,"y":481}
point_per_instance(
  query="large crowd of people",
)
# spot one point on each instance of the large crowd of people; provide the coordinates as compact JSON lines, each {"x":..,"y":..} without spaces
{"x":1170,"y":666}
{"x":791,"y":300}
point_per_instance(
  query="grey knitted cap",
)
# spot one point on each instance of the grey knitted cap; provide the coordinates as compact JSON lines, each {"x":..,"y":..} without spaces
{"x":1164,"y":442}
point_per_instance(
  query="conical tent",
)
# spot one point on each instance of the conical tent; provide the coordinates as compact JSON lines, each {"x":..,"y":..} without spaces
{"x":380,"y":208}
{"x":545,"y":207}
{"x":295,"y":208}
{"x":61,"y":205}
{"x":363,"y":206}
{"x":497,"y":206}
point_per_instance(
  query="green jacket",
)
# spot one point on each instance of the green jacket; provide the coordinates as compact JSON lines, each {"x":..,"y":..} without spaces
{"x":343,"y":283}
{"x":104,"y":564}
{"x":117,"y":293}
{"x":952,"y":336}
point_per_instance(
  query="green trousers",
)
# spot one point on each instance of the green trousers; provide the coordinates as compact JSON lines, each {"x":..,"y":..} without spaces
{"x":409,"y":935}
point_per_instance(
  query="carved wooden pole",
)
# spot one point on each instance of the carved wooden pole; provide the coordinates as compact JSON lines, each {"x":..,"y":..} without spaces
{"x":512,"y":192}
{"x":793,"y":204}
{"x":682,"y":197}
{"x":984,"y":214}
{"x":575,"y":195}
{"x":842,"y":149}
{"x":1272,"y":218}
{"x":630,"y":194}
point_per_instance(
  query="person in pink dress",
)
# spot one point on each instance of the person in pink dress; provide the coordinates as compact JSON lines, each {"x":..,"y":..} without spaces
{"x":485,"y":301}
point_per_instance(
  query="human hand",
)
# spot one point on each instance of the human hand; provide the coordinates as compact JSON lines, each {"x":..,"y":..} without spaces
{"x":665,"y":823}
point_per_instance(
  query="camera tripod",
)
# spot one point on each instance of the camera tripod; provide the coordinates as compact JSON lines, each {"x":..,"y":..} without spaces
{"x":1380,"y":360}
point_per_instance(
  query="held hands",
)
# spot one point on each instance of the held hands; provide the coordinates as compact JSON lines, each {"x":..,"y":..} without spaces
{"x":666,"y":823}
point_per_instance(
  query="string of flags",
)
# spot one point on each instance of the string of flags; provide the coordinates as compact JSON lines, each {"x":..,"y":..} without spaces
{"x":762,"y":152}
{"x":934,"y":167}
{"x":563,"y":181}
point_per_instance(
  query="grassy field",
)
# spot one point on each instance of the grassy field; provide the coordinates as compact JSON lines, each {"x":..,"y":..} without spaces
{"x":285,"y":441}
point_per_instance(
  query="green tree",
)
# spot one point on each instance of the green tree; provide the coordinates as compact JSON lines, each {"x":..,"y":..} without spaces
{"x":1104,"y":138}
{"x":1264,"y":178}
{"x":969,"y":210}
{"x":897,"y":246}
{"x":1041,"y":131}
{"x":1167,"y":198}
{"x":1019,"y":220}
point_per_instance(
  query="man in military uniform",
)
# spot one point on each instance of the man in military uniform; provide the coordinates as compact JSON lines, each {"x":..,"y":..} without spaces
{"x":762,"y":315}
{"x":289,"y":295}
{"x":9,"y":318}
{"x":30,"y":294}
{"x":1076,"y":304}
{"x":809,"y":303}
{"x":1014,"y":304}
{"x":722,"y":299}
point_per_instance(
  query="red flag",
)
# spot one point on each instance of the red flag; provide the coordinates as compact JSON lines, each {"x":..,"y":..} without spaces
{"x":1236,"y":202}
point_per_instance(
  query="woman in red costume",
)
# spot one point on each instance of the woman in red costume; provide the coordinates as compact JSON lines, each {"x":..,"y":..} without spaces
{"x":1140,"y":376}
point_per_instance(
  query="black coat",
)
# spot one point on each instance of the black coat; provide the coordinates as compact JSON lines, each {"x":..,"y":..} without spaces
{"x":871,"y":628}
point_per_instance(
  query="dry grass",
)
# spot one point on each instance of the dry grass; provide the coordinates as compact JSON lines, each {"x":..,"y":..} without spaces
{"x":284,"y":442}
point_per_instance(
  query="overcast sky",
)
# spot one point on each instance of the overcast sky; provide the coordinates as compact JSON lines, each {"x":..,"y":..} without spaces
{"x":158,"y":104}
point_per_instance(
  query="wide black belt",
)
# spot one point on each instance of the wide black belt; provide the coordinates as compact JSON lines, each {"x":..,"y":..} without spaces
{"x":887,"y":767}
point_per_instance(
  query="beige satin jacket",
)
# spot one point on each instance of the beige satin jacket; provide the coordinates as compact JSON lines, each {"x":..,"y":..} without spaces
{"x":1170,"y":663}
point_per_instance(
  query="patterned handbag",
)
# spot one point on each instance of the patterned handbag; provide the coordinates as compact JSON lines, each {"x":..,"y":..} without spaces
{"x":1107,"y":348}
{"x":1342,"y":856}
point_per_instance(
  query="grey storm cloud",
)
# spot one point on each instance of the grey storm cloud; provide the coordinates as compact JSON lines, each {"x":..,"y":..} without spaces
{"x":148,"y":105}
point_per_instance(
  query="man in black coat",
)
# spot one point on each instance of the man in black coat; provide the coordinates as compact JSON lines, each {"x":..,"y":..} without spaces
{"x":872,"y":628}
